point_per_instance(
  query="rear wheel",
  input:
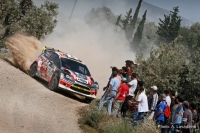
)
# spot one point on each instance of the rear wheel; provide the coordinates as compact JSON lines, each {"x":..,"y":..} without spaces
{"x":33,"y":70}
{"x":53,"y":85}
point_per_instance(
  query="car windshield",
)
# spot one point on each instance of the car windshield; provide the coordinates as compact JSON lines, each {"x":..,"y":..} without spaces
{"x":75,"y":66}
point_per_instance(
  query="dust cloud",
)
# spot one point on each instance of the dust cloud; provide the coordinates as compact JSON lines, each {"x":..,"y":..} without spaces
{"x":99,"y":46}
{"x":24,"y":50}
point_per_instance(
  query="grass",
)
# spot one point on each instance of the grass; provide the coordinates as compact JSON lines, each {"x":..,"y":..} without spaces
{"x":93,"y":121}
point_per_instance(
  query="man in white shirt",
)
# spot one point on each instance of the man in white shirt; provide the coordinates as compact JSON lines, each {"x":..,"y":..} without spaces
{"x":142,"y":102}
{"x":132,"y":85}
{"x":168,"y":99}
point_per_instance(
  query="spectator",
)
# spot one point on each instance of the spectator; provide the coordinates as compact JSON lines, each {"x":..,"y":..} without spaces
{"x":142,"y":103}
{"x":105,"y":88}
{"x":111,"y":93}
{"x":120,"y":72}
{"x":137,"y":92}
{"x":172,"y":96}
{"x":153,"y":99}
{"x":168,"y":99}
{"x":177,"y":116}
{"x":133,"y":67}
{"x":187,"y":118}
{"x":132,"y":86}
{"x":194,"y":112}
{"x":133,"y":100}
{"x":124,"y":73}
{"x":197,"y":123}
{"x":159,"y":112}
{"x":123,"y":91}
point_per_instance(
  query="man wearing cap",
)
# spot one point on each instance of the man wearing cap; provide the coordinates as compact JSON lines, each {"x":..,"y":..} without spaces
{"x":142,"y":103}
{"x":122,"y":92}
{"x":159,"y":111}
{"x":111,"y":93}
{"x":153,"y":99}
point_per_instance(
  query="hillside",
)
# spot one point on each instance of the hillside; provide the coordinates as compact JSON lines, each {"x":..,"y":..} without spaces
{"x":27,"y":106}
{"x":154,"y":12}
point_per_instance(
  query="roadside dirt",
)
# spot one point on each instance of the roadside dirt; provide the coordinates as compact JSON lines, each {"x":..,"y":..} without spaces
{"x":27,"y":106}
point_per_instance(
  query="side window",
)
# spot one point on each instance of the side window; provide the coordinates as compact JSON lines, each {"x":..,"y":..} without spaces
{"x":55,"y":59}
{"x":47,"y":53}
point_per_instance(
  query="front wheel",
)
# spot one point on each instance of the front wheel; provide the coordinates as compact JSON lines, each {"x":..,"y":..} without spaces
{"x":53,"y":85}
{"x":88,"y":100}
{"x":33,"y":70}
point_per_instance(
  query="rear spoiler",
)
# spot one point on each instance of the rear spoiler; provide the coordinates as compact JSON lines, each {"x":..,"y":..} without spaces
{"x":50,"y":48}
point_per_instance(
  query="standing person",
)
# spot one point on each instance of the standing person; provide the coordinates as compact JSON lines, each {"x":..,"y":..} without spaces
{"x":194,"y":113}
{"x":139,"y":85}
{"x":168,"y":100}
{"x":142,"y":103}
{"x":172,"y":96}
{"x":111,"y":93}
{"x":152,"y":100}
{"x":105,"y":89}
{"x":187,"y":118}
{"x":197,"y":122}
{"x":132,"y":86}
{"x":122,"y":92}
{"x":137,"y":92}
{"x":159,"y":116}
{"x":177,"y":116}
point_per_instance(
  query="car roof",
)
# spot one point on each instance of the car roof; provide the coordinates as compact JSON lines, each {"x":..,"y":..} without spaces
{"x":62,"y":54}
{"x":69,"y":56}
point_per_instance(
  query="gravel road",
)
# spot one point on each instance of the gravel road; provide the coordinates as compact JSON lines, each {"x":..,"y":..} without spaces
{"x":27,"y":106}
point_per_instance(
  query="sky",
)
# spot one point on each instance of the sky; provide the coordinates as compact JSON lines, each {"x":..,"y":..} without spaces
{"x":189,"y":9}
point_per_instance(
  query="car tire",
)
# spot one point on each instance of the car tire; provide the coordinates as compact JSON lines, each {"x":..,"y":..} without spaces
{"x":33,"y":70}
{"x":88,"y":100}
{"x":53,"y":85}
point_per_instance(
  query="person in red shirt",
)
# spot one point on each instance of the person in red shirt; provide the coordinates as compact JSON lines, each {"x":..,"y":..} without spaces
{"x":122,"y":92}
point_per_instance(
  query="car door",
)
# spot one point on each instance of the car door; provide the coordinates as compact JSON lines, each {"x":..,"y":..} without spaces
{"x":53,"y":65}
{"x":44,"y":63}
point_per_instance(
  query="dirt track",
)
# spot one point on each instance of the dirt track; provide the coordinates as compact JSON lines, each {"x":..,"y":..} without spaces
{"x":27,"y":106}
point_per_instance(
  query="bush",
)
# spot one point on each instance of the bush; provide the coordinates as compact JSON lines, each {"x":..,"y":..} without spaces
{"x":91,"y":121}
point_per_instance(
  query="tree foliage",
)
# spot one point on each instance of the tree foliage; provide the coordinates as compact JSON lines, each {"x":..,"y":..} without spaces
{"x":168,"y":28}
{"x":191,"y":36}
{"x":138,"y":35}
{"x":134,"y":20}
{"x":24,"y":16}
{"x":170,"y":66}
{"x":129,"y":22}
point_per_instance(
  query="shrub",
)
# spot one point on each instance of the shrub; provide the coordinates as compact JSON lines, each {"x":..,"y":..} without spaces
{"x":91,"y":121}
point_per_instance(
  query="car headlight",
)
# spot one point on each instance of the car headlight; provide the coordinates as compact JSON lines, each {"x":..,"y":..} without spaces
{"x":62,"y":75}
{"x":95,"y":86}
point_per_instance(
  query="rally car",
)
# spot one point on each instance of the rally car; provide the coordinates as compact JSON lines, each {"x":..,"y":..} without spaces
{"x":62,"y":70}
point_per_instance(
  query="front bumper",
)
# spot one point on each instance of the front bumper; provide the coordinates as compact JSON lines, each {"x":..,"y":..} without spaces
{"x":77,"y":88}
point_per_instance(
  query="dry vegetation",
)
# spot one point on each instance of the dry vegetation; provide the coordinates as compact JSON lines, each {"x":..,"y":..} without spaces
{"x":92,"y":121}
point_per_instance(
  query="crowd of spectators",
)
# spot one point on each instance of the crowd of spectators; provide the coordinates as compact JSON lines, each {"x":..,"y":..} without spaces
{"x":169,"y":111}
